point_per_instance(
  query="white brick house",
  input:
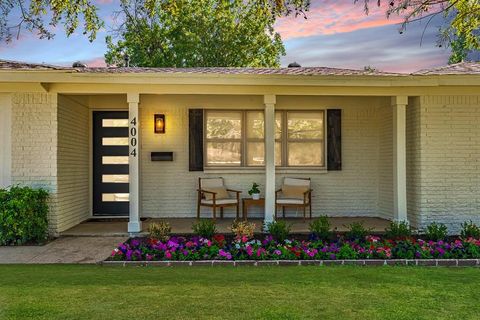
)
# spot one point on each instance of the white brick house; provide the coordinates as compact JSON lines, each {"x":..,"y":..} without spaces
{"x":410,"y":143}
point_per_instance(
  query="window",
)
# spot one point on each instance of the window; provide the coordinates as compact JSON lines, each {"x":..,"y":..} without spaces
{"x":236,"y":138}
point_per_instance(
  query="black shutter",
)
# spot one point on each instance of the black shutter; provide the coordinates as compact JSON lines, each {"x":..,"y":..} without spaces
{"x":334,"y":139}
{"x":195,"y":139}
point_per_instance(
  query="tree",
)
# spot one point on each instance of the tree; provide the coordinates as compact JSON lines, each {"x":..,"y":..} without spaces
{"x":43,"y":17}
{"x":193,"y":33}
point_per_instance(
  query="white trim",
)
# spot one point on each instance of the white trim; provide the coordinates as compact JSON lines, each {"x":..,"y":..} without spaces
{"x":399,"y":105}
{"x":5,"y":140}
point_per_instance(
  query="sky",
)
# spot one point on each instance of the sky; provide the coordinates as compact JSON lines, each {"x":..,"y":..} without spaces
{"x":335,"y":34}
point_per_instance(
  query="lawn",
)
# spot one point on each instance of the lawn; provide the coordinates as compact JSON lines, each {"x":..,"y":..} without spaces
{"x":95,"y":292}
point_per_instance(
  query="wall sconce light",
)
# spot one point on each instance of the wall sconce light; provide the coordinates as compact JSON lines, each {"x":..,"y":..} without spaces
{"x":159,"y":123}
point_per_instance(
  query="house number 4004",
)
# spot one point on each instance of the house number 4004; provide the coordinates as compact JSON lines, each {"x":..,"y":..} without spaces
{"x":133,"y":135}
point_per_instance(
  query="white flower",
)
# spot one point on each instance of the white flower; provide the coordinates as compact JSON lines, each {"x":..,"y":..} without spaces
{"x":237,"y":246}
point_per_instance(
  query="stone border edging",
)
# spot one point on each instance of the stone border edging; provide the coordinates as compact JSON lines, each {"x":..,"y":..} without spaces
{"x":257,"y":263}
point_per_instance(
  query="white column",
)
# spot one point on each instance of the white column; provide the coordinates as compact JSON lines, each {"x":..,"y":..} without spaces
{"x":399,"y":105}
{"x":269,"y":101}
{"x":5,"y":140}
{"x":134,"y":223}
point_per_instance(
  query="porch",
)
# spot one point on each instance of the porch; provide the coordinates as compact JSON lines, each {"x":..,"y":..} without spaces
{"x":117,"y":169}
{"x":118,"y":227}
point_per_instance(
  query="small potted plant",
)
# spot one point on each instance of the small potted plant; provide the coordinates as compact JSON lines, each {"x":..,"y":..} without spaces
{"x":254,"y":191}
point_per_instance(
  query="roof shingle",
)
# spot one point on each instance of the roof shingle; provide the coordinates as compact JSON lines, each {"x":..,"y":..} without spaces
{"x":457,"y":68}
{"x":17,"y":65}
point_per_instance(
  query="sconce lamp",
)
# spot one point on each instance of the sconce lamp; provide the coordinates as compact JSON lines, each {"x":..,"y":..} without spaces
{"x":159,"y":123}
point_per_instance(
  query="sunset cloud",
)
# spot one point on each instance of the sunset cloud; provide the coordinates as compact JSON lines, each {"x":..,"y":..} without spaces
{"x":331,"y":17}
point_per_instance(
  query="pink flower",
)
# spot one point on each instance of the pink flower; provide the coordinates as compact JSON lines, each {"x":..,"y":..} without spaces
{"x":168,"y":255}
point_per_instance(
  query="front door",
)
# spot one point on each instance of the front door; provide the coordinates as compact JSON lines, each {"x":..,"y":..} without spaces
{"x":110,"y":163}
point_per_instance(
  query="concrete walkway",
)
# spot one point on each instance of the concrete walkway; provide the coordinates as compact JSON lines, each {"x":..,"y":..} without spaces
{"x":62,"y":250}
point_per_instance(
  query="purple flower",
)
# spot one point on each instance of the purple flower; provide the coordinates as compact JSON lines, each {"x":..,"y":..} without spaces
{"x":333,"y":257}
{"x":128,"y":255}
{"x":277,"y":252}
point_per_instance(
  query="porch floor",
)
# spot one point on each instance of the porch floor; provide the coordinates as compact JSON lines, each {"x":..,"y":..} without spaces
{"x":183,"y":225}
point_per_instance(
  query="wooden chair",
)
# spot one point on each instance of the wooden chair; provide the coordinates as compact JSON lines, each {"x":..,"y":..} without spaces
{"x":303,"y":198}
{"x":208,"y":186}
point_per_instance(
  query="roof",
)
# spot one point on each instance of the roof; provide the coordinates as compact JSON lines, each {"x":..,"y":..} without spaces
{"x":294,"y":71}
{"x":457,"y":68}
{"x":17,"y":65}
{"x":300,"y":71}
{"x":462,"y":68}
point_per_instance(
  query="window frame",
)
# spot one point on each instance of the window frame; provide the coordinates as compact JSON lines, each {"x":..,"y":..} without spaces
{"x":244,"y":140}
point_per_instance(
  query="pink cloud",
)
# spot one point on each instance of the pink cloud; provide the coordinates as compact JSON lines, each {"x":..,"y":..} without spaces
{"x":330,"y":17}
{"x":96,"y":62}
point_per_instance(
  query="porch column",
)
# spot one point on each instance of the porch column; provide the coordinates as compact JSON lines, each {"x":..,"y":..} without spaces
{"x":269,"y":101}
{"x":134,"y":223}
{"x":399,"y":104}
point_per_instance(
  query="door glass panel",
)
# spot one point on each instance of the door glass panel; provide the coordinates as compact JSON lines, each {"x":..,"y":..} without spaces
{"x":115,"y":141}
{"x":115,"y":160}
{"x":115,"y":197}
{"x":108,"y":123}
{"x":115,"y":178}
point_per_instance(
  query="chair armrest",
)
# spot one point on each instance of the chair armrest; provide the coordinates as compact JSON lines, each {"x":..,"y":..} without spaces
{"x":231,"y":190}
{"x":279,"y":190}
{"x":205,"y":191}
{"x":308,"y":191}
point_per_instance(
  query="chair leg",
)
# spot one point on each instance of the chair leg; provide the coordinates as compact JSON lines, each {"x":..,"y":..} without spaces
{"x":304,"y":213}
{"x":214,"y":213}
{"x":237,"y":213}
{"x":310,"y":209}
{"x":283,"y":212}
{"x":198,"y":210}
{"x":221,"y":212}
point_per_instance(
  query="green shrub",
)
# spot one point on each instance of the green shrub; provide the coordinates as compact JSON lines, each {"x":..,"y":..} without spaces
{"x":279,"y":230}
{"x":205,"y":228}
{"x":320,"y":227}
{"x":160,"y":230}
{"x":470,"y":230}
{"x":398,"y":229}
{"x":356,"y":231}
{"x":23,"y":215}
{"x":436,"y":232}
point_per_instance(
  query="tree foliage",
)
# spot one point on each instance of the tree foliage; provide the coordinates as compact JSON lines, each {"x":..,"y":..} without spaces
{"x":192,"y":33}
{"x":44,"y":16}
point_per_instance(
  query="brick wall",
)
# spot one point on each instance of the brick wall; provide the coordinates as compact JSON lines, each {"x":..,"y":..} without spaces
{"x":449,"y":160}
{"x":34,"y":144}
{"x":168,"y":188}
{"x":73,"y":163}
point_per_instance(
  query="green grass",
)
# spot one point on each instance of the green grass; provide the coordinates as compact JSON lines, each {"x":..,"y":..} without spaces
{"x":95,"y":292}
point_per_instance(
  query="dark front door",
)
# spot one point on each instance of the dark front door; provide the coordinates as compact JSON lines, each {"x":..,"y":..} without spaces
{"x":110,"y":163}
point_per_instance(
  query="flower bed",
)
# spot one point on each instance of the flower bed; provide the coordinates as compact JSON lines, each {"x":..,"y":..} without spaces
{"x":242,"y":248}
